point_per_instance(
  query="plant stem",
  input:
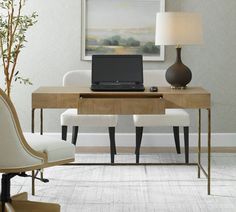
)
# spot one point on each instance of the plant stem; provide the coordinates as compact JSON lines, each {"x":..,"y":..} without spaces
{"x":15,"y":62}
{"x":8,"y":90}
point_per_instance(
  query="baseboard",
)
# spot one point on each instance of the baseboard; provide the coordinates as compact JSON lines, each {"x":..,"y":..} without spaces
{"x":151,"y":150}
{"x":152,"y":142}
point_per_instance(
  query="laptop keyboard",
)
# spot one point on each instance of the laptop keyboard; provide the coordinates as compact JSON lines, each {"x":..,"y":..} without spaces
{"x":118,"y":87}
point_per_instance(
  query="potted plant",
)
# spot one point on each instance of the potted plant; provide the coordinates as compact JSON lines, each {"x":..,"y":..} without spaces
{"x":13,"y":27}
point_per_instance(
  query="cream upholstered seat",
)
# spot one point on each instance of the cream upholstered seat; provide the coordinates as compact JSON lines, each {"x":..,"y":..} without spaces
{"x":172,"y":117}
{"x":55,"y":149}
{"x":19,"y":154}
{"x":71,"y":118}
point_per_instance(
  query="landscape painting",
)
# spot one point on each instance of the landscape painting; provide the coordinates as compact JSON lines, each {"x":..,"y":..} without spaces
{"x":121,"y":27}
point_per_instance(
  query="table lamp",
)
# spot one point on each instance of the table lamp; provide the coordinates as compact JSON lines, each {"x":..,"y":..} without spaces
{"x":178,"y":28}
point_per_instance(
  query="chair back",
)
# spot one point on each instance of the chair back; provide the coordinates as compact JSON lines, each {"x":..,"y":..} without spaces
{"x":155,"y":78}
{"x":80,"y":78}
{"x":15,"y":153}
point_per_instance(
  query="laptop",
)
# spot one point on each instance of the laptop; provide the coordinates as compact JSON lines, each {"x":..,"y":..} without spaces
{"x":117,"y":73}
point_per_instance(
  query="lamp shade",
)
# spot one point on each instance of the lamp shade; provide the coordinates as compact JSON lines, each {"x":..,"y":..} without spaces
{"x":178,"y":28}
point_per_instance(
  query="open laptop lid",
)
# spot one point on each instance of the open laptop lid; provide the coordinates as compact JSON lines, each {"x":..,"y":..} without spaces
{"x":117,"y":69}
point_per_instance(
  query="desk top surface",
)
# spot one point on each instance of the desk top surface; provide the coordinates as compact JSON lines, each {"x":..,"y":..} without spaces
{"x":67,"y":97}
{"x":87,"y":90}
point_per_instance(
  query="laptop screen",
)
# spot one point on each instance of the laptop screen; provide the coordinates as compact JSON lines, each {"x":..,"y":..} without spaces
{"x":117,"y":68}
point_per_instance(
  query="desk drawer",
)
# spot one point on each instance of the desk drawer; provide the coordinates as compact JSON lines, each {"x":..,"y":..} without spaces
{"x":122,"y":106}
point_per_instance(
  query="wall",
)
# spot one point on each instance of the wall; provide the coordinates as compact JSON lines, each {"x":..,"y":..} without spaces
{"x":53,"y":48}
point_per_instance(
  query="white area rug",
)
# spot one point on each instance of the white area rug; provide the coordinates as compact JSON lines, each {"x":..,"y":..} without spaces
{"x":136,"y":188}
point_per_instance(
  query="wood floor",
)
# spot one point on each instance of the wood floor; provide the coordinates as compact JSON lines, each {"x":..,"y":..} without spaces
{"x":137,"y":189}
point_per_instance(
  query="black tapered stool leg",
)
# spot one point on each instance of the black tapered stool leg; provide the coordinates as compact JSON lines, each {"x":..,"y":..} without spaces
{"x":176,"y":136}
{"x":112,"y":143}
{"x":186,"y":144}
{"x":115,"y":147}
{"x":75,"y":130}
{"x":64,"y":133}
{"x":139,"y":134}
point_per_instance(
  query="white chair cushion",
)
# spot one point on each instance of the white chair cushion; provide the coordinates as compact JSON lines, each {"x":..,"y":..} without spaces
{"x":71,"y":118}
{"x":56,"y":149}
{"x":172,"y":117}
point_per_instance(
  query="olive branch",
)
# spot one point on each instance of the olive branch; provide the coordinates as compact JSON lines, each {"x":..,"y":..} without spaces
{"x":13,"y":27}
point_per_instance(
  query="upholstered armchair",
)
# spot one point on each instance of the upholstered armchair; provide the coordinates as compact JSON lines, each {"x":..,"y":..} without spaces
{"x":20,"y":154}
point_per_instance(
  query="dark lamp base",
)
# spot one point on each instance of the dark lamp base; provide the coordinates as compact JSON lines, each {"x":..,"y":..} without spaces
{"x":178,"y":75}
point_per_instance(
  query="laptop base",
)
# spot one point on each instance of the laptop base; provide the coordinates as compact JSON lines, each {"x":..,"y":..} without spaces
{"x":114,"y":88}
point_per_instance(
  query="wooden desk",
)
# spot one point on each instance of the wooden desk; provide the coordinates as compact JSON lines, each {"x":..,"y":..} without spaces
{"x":89,"y":102}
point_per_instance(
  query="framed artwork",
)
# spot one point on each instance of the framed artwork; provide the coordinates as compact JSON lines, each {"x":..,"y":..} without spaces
{"x":121,"y":27}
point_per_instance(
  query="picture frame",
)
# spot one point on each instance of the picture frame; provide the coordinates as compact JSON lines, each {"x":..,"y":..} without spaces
{"x":120,"y":27}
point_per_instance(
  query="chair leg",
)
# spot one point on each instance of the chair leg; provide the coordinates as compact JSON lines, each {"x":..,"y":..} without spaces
{"x":5,"y":192}
{"x":75,"y":130}
{"x":139,"y":134}
{"x":186,"y":144}
{"x":64,"y":132}
{"x":176,"y":136}
{"x":114,"y":146}
{"x":112,"y":143}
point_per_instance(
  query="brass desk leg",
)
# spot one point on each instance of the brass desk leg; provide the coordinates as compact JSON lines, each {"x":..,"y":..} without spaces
{"x":41,"y":121}
{"x":209,"y":151}
{"x":32,"y":120}
{"x":33,"y":182}
{"x":199,"y":142}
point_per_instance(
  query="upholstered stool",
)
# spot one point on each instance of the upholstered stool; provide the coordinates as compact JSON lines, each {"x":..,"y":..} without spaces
{"x":172,"y":117}
{"x":71,"y":118}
